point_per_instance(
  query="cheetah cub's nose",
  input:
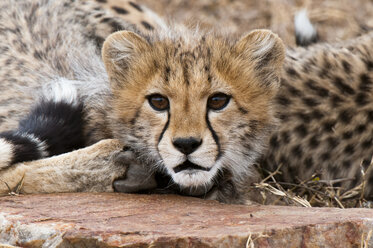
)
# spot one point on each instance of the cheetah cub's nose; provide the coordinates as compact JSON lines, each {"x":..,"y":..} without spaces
{"x":187,"y":145}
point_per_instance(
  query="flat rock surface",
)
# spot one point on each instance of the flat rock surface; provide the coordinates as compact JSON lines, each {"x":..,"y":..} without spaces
{"x":112,"y":220}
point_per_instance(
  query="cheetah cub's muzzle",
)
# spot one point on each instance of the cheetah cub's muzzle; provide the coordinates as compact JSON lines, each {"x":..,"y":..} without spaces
{"x":187,"y":146}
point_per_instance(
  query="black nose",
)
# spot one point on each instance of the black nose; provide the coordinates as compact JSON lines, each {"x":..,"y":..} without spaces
{"x":187,"y":145}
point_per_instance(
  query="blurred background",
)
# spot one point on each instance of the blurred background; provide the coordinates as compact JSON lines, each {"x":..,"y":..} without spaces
{"x":334,"y":19}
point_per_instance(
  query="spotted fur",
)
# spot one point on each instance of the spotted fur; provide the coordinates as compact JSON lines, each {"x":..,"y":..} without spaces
{"x":321,"y":95}
{"x":49,"y":88}
{"x":325,"y":108}
{"x":52,"y":48}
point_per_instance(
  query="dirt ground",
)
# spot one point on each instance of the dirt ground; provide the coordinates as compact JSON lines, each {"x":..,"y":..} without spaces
{"x":334,"y":19}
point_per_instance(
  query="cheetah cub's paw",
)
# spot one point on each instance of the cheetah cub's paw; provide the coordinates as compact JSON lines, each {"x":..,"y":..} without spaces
{"x":138,"y":176}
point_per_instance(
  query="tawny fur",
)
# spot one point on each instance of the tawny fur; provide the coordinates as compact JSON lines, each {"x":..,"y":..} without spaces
{"x":186,"y":66}
{"x":323,"y":103}
{"x":91,"y":169}
{"x":46,"y":44}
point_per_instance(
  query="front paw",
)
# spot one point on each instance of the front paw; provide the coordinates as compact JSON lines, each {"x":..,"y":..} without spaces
{"x":138,"y":176}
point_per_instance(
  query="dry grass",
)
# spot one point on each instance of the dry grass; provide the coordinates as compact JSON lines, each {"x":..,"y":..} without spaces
{"x":16,"y":190}
{"x":315,"y":192}
{"x":365,"y":239}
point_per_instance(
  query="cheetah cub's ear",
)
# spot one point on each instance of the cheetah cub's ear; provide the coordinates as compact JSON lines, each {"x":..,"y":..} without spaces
{"x":263,"y":53}
{"x":119,"y":51}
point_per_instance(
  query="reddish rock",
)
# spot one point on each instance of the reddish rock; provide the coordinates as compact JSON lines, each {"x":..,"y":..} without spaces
{"x":112,"y":220}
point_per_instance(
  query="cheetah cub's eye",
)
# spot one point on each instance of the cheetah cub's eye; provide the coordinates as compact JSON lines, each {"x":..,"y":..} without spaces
{"x":218,"y":101}
{"x":158,"y":102}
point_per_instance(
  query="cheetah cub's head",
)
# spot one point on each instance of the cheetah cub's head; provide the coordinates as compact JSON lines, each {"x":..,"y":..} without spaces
{"x":195,"y":105}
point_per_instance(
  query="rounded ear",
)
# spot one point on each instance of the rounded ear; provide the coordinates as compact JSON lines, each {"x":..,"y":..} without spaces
{"x":264,"y":51}
{"x":119,"y":49}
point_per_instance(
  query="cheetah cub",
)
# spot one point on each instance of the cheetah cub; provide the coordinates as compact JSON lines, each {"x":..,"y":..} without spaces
{"x":194,"y":109}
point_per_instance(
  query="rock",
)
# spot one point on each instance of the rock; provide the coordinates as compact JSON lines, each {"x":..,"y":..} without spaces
{"x":113,"y":219}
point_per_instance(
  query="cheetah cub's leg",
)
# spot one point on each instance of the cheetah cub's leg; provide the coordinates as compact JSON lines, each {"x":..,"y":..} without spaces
{"x":91,"y":169}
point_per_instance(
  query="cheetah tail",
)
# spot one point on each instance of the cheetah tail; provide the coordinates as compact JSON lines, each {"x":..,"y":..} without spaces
{"x":54,"y":126}
{"x":305,"y":32}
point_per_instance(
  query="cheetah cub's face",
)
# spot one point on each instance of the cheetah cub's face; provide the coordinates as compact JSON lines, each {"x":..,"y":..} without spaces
{"x":195,"y":105}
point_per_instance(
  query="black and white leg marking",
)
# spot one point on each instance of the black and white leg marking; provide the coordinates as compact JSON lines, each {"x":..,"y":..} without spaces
{"x":54,"y":126}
